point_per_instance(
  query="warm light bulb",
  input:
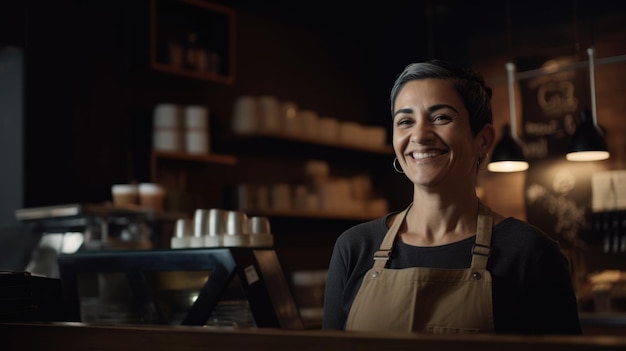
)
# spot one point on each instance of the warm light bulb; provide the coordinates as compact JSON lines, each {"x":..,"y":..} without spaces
{"x":587,"y":156}
{"x":507,"y":166}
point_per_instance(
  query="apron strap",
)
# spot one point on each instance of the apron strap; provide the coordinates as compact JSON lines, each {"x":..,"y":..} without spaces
{"x":384,"y":252}
{"x":482,"y":249}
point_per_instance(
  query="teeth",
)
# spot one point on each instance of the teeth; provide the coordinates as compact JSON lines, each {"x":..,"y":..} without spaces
{"x":421,"y":155}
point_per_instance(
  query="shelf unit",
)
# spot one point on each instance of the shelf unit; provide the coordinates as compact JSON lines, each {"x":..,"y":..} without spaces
{"x":180,"y":166}
{"x":184,"y":156}
{"x":172,"y":25}
{"x":308,"y":214}
{"x":276,"y":137}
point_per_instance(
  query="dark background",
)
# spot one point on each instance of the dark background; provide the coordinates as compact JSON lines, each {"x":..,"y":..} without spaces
{"x":88,"y":90}
{"x":89,"y":93}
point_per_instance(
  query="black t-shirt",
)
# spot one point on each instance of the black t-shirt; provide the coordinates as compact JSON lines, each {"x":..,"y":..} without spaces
{"x":532,"y":287}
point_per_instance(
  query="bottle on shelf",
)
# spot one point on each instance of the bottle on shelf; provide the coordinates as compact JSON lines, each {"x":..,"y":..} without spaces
{"x":191,"y":51}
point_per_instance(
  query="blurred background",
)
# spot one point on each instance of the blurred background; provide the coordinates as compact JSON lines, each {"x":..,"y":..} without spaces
{"x":81,"y":81}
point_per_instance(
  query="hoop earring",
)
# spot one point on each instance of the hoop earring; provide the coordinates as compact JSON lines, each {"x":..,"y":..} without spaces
{"x":397,"y":168}
{"x":480,"y":164}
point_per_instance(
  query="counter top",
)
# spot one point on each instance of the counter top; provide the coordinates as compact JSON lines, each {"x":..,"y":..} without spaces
{"x":603,"y":323}
{"x":80,"y":336}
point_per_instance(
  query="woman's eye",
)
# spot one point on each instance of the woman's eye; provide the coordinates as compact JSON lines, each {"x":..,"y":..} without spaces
{"x":404,"y":122}
{"x":441,"y":119}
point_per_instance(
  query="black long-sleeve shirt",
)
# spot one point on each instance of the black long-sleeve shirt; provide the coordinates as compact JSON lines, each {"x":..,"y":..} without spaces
{"x":532,"y":287}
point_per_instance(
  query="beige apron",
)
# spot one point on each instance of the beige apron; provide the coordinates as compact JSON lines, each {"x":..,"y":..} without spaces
{"x":429,"y":300}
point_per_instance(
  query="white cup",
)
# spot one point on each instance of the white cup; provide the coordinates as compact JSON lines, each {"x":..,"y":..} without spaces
{"x":197,"y":142}
{"x":167,"y":115}
{"x":270,"y":114}
{"x":262,"y":197}
{"x":309,"y":124}
{"x":152,"y":196}
{"x":216,"y":223}
{"x":246,"y":115}
{"x":289,"y":116}
{"x":196,"y":117}
{"x":200,"y":222}
{"x":216,"y":227}
{"x":281,"y":196}
{"x":259,"y":225}
{"x":183,"y":234}
{"x":328,"y":129}
{"x":167,"y":140}
{"x":124,"y":194}
{"x":236,"y":223}
{"x":300,"y":197}
{"x":349,"y":133}
{"x":197,"y":129}
{"x":167,"y":132}
{"x":236,"y":229}
{"x":260,"y":232}
{"x":377,"y":136}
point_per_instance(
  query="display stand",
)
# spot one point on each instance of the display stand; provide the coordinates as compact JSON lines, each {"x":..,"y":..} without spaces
{"x":231,"y":274}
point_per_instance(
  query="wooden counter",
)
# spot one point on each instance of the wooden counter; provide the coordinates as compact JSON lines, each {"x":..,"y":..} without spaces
{"x":80,"y":337}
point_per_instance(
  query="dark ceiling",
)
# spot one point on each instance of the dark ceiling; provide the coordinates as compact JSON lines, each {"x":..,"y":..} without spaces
{"x":447,"y":23}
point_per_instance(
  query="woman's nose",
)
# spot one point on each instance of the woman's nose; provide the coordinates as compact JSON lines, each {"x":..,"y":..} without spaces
{"x":421,"y":133}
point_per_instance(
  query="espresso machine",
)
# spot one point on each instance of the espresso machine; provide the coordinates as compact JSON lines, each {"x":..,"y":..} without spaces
{"x":71,"y":228}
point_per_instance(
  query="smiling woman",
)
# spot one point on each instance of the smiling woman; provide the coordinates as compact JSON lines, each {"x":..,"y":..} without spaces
{"x":447,"y":263}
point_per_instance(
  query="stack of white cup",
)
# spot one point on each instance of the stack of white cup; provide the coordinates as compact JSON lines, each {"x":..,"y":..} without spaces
{"x":260,"y":232}
{"x":177,"y":128}
{"x":222,"y":228}
{"x":196,"y":129}
{"x":167,"y":133}
{"x":183,"y":234}
{"x":236,"y":229}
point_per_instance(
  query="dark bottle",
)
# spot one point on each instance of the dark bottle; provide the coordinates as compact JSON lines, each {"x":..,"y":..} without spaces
{"x":191,"y":51}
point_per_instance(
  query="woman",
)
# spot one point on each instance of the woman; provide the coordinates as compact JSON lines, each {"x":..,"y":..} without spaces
{"x":447,"y":264}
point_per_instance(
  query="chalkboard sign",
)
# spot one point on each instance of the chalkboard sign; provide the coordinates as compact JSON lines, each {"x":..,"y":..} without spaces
{"x":550,"y":107}
{"x":557,"y":191}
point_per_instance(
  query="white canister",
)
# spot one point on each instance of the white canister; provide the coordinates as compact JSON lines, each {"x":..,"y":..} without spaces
{"x":289,"y":116}
{"x":348,"y":133}
{"x":309,"y":124}
{"x":167,"y":139}
{"x":281,"y":196}
{"x":246,"y":115}
{"x":167,"y":134}
{"x":197,"y":129}
{"x":167,"y":115}
{"x":377,"y":136}
{"x":328,"y":129}
{"x":270,"y":121}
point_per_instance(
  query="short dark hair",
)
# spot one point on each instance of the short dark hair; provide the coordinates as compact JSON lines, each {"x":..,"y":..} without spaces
{"x":470,"y":85}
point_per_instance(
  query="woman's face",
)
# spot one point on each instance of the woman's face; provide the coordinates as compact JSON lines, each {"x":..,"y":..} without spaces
{"x":432,"y":137}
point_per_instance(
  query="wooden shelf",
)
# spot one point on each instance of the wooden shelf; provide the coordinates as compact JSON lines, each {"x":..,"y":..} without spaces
{"x":166,"y":68}
{"x":217,"y":159}
{"x":208,"y":158}
{"x":233,"y":141}
{"x":352,"y":216}
{"x":174,"y":22}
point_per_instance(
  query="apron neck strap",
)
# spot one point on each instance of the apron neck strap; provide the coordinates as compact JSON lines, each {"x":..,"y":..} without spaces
{"x":480,"y":251}
{"x":384,"y":252}
{"x":482,"y":247}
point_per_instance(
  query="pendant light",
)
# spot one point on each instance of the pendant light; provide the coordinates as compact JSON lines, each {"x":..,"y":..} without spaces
{"x":588,"y":142}
{"x":508,"y":155}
